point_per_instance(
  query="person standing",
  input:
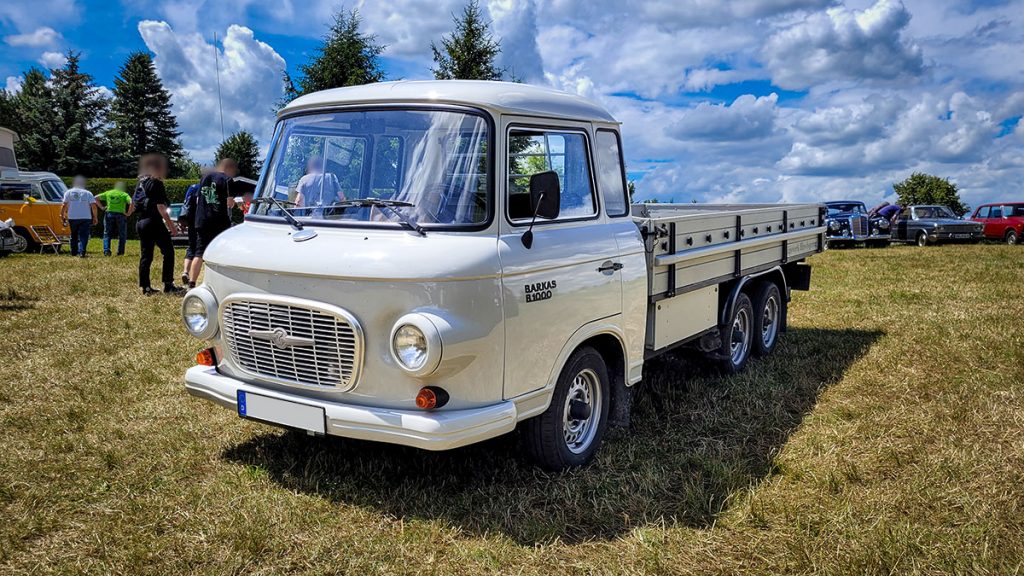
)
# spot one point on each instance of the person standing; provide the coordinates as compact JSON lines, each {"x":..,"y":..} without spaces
{"x":188,"y":220}
{"x":118,"y":206}
{"x":155,"y":224}
{"x":79,"y":213}
{"x":213,"y":216}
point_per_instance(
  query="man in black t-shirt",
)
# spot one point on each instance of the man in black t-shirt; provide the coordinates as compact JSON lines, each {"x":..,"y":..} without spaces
{"x":213,"y":211}
{"x":154,"y":225}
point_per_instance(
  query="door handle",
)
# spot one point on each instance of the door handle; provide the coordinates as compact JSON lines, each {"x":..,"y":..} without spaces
{"x":610,"y":267}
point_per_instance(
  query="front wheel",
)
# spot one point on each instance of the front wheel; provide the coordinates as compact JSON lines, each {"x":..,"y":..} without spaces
{"x":922,"y":239}
{"x":569,"y":433}
{"x":1011,"y":237}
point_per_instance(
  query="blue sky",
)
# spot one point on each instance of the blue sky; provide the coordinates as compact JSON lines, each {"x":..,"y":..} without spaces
{"x":747,"y":100}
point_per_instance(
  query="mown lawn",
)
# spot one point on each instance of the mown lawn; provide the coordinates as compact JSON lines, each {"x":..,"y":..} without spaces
{"x":885,"y":436}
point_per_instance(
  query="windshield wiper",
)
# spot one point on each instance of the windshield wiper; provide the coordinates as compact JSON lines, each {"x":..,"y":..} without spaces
{"x":390,"y":205}
{"x":280,"y":206}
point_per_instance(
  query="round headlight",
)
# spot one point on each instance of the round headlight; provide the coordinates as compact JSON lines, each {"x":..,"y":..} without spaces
{"x":410,"y":347}
{"x":833,"y":225}
{"x":199,"y":312}
{"x":416,"y":343}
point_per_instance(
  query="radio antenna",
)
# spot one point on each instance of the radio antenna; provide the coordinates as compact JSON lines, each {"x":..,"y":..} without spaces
{"x":220,"y":102}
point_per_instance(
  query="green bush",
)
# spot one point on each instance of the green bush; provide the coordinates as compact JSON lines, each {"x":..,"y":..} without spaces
{"x":175,"y":193}
{"x":175,"y":187}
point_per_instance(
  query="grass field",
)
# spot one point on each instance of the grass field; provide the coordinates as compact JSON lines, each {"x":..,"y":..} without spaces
{"x":886,"y":436}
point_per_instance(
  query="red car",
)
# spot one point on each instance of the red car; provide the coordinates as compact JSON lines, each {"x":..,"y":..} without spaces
{"x":1003,"y":221}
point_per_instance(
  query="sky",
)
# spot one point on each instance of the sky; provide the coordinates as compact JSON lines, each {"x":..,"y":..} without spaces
{"x":720,"y":101}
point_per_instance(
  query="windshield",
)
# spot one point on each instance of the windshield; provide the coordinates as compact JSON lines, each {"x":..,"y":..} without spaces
{"x":432,"y":164}
{"x":841,"y":207}
{"x":933,"y":212}
{"x":54,"y":190}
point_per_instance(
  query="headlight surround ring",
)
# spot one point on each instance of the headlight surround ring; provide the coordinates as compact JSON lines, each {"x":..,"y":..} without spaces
{"x":199,"y":313}
{"x":409,"y":330}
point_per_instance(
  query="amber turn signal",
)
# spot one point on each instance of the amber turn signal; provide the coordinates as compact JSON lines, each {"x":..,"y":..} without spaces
{"x":205,"y":357}
{"x":431,"y":397}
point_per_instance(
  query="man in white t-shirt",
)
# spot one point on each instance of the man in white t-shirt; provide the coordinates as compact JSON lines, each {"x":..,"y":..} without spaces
{"x":317,"y":188}
{"x":79,"y":212}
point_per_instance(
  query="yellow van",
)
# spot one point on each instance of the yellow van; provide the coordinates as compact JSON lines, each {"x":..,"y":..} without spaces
{"x":33,"y":200}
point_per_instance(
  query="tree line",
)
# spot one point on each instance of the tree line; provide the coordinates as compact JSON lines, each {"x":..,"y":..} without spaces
{"x":69,"y":126}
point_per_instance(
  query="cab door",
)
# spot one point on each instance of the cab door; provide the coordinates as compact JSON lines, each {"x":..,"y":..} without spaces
{"x":570,"y":275}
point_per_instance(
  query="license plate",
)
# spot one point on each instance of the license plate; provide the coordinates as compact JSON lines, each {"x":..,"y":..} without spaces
{"x":961,"y":235}
{"x":281,"y":412}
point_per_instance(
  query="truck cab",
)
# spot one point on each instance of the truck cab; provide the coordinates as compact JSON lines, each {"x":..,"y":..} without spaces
{"x":433,"y":263}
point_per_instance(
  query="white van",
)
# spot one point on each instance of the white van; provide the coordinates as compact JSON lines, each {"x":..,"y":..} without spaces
{"x":434,"y":263}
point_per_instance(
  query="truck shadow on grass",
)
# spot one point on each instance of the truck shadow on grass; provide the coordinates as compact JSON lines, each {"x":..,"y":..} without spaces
{"x":697,"y":439}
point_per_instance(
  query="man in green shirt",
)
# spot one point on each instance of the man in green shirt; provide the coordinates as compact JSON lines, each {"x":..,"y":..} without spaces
{"x":118,"y":205}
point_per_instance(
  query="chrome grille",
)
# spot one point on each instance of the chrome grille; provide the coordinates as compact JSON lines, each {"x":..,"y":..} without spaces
{"x":329,"y":352}
{"x":858,"y":225}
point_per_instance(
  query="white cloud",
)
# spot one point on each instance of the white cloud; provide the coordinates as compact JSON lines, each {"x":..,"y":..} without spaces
{"x":41,"y":37}
{"x":748,"y":117}
{"x":250,"y":83}
{"x":13,"y":84}
{"x":26,"y":15}
{"x":53,"y":59}
{"x":844,"y":44}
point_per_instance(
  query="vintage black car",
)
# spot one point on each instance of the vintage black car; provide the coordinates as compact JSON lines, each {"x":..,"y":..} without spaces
{"x":924,"y":225}
{"x":848,"y":222}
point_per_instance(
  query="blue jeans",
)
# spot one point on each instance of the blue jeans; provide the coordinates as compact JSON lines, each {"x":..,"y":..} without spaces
{"x":113,"y":221}
{"x":79,"y":235}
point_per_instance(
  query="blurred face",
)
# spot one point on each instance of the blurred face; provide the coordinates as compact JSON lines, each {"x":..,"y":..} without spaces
{"x":78,"y":182}
{"x":119,"y":186}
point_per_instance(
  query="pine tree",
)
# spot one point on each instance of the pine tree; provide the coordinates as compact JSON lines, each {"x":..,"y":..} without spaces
{"x":347,"y":58}
{"x":140,"y":113}
{"x":243,"y":149}
{"x":79,"y":114}
{"x":470,"y":51}
{"x":32,"y":110}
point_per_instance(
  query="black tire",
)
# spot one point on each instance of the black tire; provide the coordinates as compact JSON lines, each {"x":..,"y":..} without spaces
{"x":768,"y":318}
{"x":30,"y":244}
{"x":548,"y":438}
{"x":736,"y":340}
{"x":1011,"y":237}
{"x":922,"y":239}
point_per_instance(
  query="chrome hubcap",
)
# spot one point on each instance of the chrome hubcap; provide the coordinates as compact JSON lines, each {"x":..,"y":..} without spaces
{"x":740,"y":336}
{"x":769,"y":322}
{"x":582,"y":411}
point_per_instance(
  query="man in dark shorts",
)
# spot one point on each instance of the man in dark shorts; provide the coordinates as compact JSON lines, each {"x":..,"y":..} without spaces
{"x":213,"y":211}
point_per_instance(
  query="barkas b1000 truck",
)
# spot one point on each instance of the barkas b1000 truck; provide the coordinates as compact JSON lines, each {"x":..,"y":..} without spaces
{"x":436,"y":263}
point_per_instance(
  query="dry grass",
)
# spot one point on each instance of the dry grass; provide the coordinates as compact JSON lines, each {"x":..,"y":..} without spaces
{"x":885,"y":436}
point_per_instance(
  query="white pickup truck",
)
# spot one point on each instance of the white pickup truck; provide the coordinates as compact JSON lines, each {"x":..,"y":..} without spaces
{"x":436,"y":263}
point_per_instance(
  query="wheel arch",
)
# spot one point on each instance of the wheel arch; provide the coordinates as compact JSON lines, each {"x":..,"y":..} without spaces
{"x":608,"y":339}
{"x":745,"y":284}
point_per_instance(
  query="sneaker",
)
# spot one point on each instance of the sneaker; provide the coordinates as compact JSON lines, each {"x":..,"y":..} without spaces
{"x":184,"y":278}
{"x":106,"y":253}
{"x":147,"y":291}
{"x":172,"y":289}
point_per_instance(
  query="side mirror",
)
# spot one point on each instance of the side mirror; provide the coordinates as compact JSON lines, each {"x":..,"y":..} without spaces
{"x":545,"y":200}
{"x":545,"y":195}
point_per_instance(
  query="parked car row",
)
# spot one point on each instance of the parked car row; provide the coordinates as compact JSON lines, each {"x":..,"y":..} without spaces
{"x":850,"y":223}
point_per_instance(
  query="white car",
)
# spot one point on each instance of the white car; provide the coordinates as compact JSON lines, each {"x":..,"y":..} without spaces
{"x":435,"y":263}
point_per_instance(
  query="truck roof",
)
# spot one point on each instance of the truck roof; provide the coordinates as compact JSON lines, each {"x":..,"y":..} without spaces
{"x":497,"y":97}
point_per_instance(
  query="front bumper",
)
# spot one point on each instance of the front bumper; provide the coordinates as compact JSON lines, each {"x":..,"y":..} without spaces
{"x":840,"y":237}
{"x":441,"y":430}
{"x":944,"y":236}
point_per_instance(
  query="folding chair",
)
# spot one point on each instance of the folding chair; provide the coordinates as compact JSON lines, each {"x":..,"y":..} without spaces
{"x":47,"y":239}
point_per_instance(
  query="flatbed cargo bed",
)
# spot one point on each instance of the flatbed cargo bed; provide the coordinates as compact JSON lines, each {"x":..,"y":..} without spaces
{"x":693,"y":248}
